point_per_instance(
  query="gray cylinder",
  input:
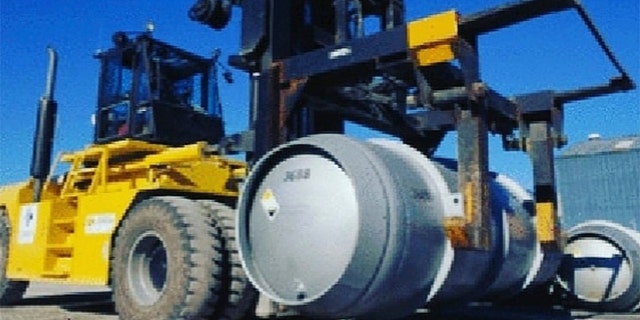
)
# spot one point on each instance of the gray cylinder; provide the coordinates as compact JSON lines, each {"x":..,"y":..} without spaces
{"x":323,"y":228}
{"x":503,"y":270}
{"x":601,"y":269}
{"x":515,"y":260}
{"x":338,"y":228}
{"x":517,"y":242}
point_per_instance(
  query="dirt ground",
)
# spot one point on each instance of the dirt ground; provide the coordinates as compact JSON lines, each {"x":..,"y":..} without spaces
{"x":54,"y":302}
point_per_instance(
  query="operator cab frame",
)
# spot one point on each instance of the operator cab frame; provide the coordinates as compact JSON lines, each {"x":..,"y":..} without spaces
{"x":152,"y":91}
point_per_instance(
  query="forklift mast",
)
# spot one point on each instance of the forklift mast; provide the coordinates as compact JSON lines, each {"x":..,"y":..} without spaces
{"x":152,"y":91}
{"x":314,"y":65}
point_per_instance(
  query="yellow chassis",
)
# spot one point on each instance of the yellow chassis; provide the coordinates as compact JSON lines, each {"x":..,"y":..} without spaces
{"x":67,"y":236}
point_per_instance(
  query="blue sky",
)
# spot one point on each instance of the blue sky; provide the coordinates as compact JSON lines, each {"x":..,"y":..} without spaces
{"x":555,"y":52}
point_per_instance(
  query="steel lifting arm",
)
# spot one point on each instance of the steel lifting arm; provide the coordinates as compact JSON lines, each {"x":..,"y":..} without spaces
{"x":539,"y":118}
{"x":541,"y":129}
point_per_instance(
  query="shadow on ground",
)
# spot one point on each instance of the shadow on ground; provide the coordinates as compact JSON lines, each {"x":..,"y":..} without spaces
{"x":484,"y":313}
{"x":496,"y":313}
{"x":89,"y":302}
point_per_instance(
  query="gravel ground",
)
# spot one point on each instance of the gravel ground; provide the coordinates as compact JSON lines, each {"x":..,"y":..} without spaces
{"x":55,"y":302}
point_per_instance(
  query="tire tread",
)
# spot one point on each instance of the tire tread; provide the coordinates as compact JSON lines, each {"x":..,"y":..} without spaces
{"x":201,"y":249}
{"x":240,"y":299}
{"x":10,"y":291}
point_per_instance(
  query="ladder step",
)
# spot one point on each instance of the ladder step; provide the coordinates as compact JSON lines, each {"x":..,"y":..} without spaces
{"x":61,"y":239}
{"x":64,"y":221}
{"x":60,"y":249}
{"x":56,"y":275}
{"x":65,"y":226}
{"x":58,"y":267}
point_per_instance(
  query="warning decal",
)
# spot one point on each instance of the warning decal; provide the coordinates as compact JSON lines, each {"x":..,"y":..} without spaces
{"x":269,"y":204}
{"x":100,"y":223}
{"x":28,"y":223}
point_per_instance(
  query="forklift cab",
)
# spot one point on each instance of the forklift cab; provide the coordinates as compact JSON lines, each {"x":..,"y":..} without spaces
{"x":155,"y":92}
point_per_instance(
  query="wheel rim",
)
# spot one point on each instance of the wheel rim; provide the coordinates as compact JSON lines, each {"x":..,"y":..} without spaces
{"x":147,"y":268}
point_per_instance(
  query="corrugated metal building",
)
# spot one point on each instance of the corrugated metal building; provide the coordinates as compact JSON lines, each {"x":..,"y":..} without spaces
{"x":600,"y":179}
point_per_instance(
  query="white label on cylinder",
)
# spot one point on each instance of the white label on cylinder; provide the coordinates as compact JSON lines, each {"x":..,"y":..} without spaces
{"x":269,"y":204}
{"x":453,"y":205}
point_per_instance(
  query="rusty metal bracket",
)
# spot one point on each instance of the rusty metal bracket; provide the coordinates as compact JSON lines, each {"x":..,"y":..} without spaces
{"x":474,"y":230}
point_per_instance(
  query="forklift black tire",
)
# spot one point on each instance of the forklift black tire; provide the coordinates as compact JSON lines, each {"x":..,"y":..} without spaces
{"x":239,"y":297}
{"x":166,"y":261}
{"x":10,"y":291}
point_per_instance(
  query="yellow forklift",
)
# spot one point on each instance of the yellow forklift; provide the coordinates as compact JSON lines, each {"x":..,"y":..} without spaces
{"x":148,"y":207}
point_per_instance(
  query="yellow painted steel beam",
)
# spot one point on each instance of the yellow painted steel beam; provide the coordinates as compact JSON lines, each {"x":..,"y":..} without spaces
{"x":431,"y":39}
{"x":70,"y":230}
{"x":547,"y":222}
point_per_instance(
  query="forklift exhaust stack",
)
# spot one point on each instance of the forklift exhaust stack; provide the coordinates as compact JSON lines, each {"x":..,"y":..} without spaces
{"x":43,"y":138}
